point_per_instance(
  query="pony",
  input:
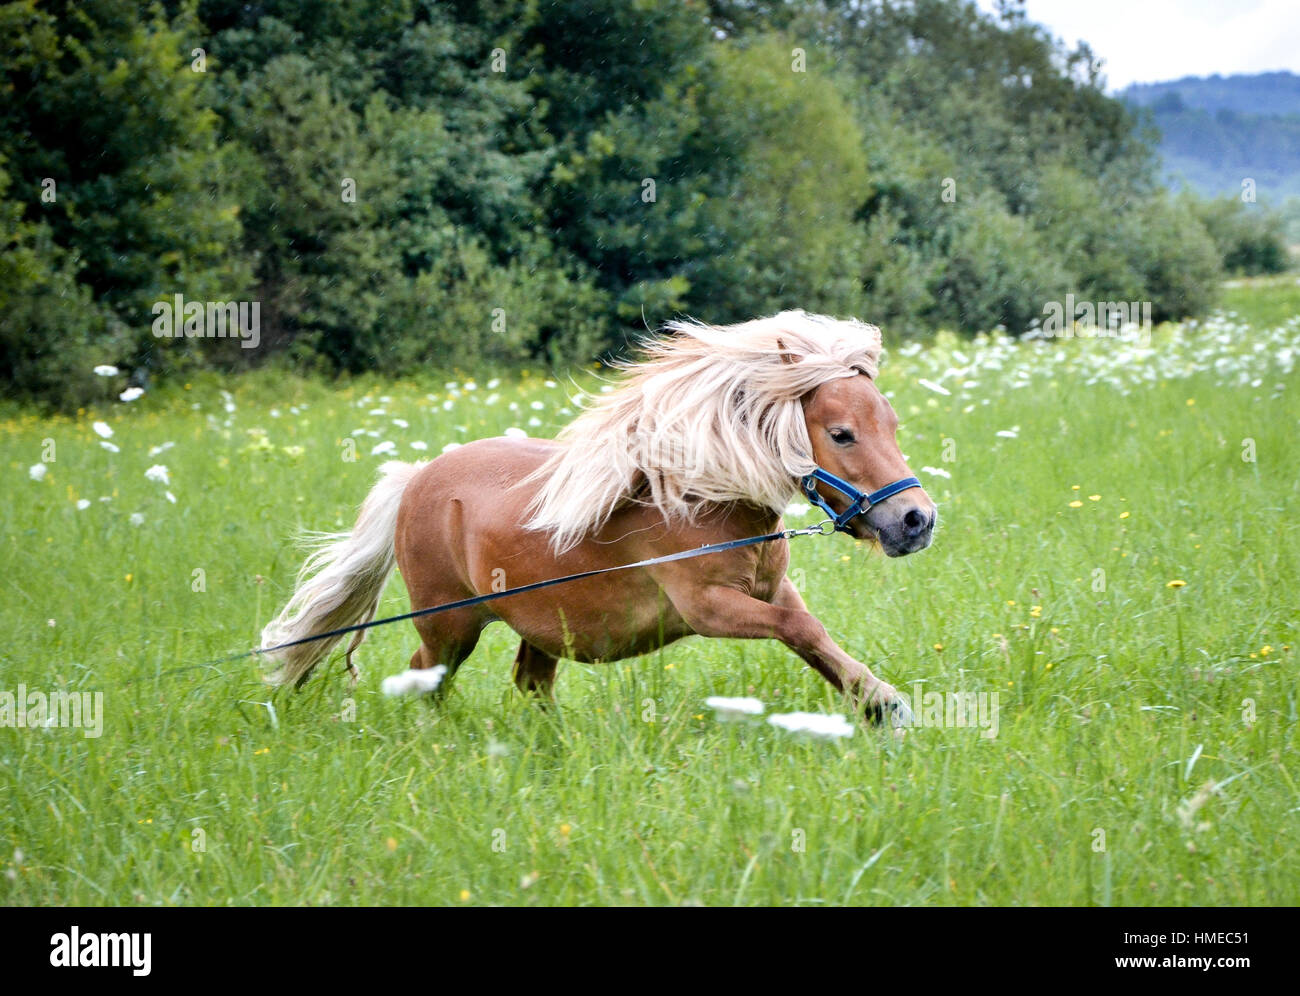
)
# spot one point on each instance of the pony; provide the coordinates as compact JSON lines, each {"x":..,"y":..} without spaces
{"x":707,"y":436}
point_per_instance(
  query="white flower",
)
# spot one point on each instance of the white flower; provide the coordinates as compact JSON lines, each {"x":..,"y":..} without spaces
{"x":37,"y":471}
{"x":797,"y":510}
{"x":376,"y":411}
{"x":102,"y":429}
{"x":131,"y":393}
{"x":446,"y":406}
{"x":401,"y":423}
{"x":160,"y":448}
{"x":170,"y":497}
{"x":414,"y":682}
{"x":516,"y":433}
{"x":83,"y":504}
{"x":419,"y":445}
{"x":931,"y":385}
{"x":936,"y":472}
{"x":137,"y":519}
{"x":534,"y":422}
{"x":384,"y":448}
{"x":106,"y":370}
{"x":111,"y":447}
{"x":1012,"y":433}
{"x":537,"y":406}
{"x":494,"y":383}
{"x":813,"y":723}
{"x":734,"y":707}
{"x":158,"y":473}
{"x":451,"y":446}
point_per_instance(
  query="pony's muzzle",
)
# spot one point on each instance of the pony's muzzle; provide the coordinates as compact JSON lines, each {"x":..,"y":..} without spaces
{"x":906,"y":528}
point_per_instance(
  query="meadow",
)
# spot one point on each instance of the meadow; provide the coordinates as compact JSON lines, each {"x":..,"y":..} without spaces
{"x":1117,"y":560}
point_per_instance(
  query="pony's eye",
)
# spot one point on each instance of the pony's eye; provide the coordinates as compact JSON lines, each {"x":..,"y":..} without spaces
{"x":842,"y":436}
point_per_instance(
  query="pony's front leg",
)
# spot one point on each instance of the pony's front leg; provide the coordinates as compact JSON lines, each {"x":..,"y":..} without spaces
{"x":722,"y":611}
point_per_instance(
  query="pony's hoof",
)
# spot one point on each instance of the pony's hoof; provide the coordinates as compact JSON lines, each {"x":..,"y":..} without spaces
{"x":895,"y":713}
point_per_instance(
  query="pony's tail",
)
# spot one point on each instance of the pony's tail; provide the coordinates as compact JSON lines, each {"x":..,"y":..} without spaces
{"x":341,"y":582}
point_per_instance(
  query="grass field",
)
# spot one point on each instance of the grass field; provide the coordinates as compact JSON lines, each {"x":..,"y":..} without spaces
{"x":1109,"y":562}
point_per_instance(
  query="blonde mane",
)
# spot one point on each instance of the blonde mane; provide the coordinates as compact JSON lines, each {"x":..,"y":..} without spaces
{"x":709,"y":414}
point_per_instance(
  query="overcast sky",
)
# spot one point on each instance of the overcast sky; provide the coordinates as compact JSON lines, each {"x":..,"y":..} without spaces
{"x":1148,"y":41}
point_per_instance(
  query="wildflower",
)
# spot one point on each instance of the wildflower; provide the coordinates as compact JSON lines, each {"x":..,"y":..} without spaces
{"x":158,"y":473}
{"x":102,"y":429}
{"x":130,"y":394}
{"x":137,"y":519}
{"x":111,"y":447}
{"x":936,"y":472}
{"x":37,"y":471}
{"x":83,"y":504}
{"x":812,"y":723}
{"x":414,"y":682}
{"x":516,"y":433}
{"x":1076,"y":504}
{"x":451,"y":446}
{"x":170,"y":497}
{"x":160,"y":448}
{"x":1094,"y":497}
{"x":1012,"y":433}
{"x":384,"y":448}
{"x":419,"y":445}
{"x":728,"y":707}
{"x":1176,"y":583}
{"x":106,"y":370}
{"x":930,"y":385}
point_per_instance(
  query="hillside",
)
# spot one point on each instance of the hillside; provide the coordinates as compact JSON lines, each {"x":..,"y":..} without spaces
{"x":1219,"y":130}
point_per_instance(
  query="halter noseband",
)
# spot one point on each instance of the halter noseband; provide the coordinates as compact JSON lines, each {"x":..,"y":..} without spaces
{"x":858,"y":501}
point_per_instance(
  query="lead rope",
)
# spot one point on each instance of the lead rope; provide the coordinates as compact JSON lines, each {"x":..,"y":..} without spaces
{"x":818,"y":530}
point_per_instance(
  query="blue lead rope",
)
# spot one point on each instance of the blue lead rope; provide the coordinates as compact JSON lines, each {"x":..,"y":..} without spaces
{"x":858,"y":503}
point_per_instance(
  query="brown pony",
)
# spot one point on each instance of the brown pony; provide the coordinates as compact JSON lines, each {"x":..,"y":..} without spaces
{"x":705,"y":439}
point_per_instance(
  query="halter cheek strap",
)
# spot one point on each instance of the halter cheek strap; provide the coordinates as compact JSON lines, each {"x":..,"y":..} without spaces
{"x":858,"y":501}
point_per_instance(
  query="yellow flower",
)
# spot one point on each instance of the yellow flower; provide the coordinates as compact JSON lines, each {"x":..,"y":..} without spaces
{"x":464,"y":895}
{"x":1011,"y":602}
{"x":1123,"y":515}
{"x":1076,"y":504}
{"x":565,"y":829}
{"x":1036,"y":611}
{"x":1177,"y":583}
{"x":1190,"y":402}
{"x":128,"y":578}
{"x":938,"y":646}
{"x":392,"y":843}
{"x":1094,"y":497}
{"x":1265,"y":650}
{"x":1074,"y":487}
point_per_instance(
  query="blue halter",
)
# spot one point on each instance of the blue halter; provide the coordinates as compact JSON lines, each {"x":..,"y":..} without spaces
{"x":858,"y":502}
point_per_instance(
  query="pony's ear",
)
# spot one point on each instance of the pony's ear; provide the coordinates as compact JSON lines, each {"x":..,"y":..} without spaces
{"x":785,"y":357}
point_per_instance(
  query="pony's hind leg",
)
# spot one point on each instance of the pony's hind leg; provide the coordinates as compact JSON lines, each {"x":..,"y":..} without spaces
{"x":445,"y":642}
{"x":535,"y":672}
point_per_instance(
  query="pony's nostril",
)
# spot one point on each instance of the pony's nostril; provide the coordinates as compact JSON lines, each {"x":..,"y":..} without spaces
{"x":915,"y":521}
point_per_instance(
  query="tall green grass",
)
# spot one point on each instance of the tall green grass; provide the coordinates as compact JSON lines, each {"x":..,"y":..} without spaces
{"x":1147,"y":732}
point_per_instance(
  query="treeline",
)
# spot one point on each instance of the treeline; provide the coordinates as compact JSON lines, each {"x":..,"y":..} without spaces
{"x":402,"y":184}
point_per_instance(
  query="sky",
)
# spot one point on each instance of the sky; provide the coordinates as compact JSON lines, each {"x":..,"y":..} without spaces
{"x":1149,"y":41}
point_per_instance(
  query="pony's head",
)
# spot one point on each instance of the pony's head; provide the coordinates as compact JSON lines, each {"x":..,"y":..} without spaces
{"x":715,"y":414}
{"x":852,"y":429}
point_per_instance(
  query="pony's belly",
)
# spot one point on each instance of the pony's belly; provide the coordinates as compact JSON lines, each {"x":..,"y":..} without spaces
{"x":618,"y":621}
